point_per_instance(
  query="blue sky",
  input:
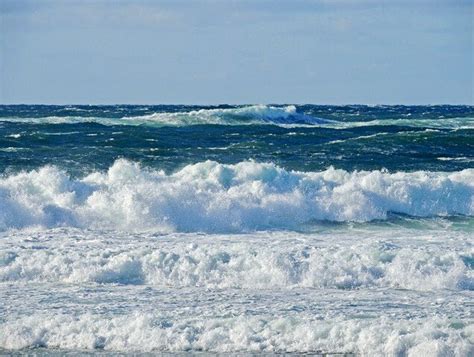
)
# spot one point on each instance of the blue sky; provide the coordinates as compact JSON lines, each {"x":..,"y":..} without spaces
{"x":208,"y":52}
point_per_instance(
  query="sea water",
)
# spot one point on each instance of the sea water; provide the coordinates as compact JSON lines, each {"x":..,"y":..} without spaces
{"x":238,"y":229}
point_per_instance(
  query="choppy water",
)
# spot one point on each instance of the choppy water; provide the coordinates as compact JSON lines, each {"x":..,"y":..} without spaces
{"x":231,"y":229}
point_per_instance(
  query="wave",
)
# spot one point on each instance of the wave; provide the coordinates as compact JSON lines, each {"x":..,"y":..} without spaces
{"x":459,"y":159}
{"x":248,"y":115}
{"x":285,"y":116}
{"x":213,"y":197}
{"x":464,"y":123}
{"x":255,"y":114}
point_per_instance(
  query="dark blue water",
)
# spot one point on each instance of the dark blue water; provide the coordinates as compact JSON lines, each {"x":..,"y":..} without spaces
{"x":81,"y":139}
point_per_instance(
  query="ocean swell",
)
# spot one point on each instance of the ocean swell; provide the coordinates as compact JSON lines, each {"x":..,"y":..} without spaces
{"x":213,"y":197}
{"x":254,"y":114}
{"x":246,"y":115}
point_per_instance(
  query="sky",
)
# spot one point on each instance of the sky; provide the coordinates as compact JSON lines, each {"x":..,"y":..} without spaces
{"x":236,"y":52}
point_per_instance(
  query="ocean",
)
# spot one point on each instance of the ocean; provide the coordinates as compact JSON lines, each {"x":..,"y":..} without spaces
{"x":237,"y":229}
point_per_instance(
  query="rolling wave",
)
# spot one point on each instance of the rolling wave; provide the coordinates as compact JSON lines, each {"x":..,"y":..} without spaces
{"x":286,"y":116}
{"x":438,"y":123}
{"x":248,"y":115}
{"x":212,"y":197}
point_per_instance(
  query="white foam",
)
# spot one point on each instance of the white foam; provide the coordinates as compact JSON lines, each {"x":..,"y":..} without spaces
{"x":257,"y":261}
{"x":212,"y":197}
{"x":371,"y":291}
{"x":154,"y":332}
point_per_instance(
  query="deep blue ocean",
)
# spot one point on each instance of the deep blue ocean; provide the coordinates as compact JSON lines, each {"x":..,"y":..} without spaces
{"x":237,"y":229}
{"x":82,"y":138}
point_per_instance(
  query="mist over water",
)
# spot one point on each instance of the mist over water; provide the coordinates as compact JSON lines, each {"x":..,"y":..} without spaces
{"x":264,"y":228}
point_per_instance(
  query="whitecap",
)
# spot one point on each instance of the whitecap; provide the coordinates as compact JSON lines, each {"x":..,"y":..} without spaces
{"x":213,"y":197}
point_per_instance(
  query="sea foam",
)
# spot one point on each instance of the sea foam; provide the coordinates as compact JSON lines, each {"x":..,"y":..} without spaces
{"x":340,"y":260}
{"x":152,"y":332}
{"x":213,"y":197}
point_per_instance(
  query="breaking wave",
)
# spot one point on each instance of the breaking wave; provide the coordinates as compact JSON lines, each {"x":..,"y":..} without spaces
{"x":286,"y":116}
{"x":254,"y":114}
{"x":213,"y":197}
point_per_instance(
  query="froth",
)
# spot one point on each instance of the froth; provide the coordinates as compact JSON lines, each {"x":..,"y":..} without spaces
{"x":255,"y":261}
{"x":212,"y":197}
{"x":145,"y":332}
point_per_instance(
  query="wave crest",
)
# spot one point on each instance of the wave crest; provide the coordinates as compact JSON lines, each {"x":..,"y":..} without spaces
{"x":213,"y":197}
{"x":247,"y":115}
{"x":254,"y":114}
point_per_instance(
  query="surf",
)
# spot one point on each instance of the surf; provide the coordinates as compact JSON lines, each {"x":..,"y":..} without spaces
{"x":214,"y":197}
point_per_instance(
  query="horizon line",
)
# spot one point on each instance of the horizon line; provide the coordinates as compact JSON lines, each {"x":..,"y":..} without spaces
{"x":240,"y":104}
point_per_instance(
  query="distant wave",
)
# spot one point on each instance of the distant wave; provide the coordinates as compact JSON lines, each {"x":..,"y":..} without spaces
{"x":212,"y":197}
{"x":255,"y":114}
{"x":438,"y":123}
{"x":286,"y":116}
{"x":248,"y":115}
